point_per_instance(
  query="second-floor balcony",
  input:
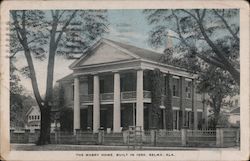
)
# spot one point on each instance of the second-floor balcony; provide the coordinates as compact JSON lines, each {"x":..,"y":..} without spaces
{"x":128,"y":96}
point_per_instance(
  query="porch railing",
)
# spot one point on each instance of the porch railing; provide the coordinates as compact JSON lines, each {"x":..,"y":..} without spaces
{"x":107,"y":96}
{"x":125,"y":96}
{"x":128,"y":95}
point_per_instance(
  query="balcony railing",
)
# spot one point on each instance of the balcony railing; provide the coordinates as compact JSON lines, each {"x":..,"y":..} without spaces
{"x":129,"y":95}
{"x":107,"y":96}
{"x":125,"y":96}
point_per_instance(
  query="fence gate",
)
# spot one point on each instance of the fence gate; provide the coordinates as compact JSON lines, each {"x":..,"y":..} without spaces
{"x":135,"y":137}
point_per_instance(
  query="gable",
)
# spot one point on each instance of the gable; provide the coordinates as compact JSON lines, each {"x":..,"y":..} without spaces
{"x":104,"y":53}
{"x":34,"y":111}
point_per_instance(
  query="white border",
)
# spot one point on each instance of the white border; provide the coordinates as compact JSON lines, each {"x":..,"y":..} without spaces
{"x":203,"y":154}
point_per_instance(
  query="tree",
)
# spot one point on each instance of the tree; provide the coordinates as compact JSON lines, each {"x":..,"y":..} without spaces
{"x":43,"y":34}
{"x":211,"y":35}
{"x":16,"y":91}
{"x":156,"y":79}
{"x":218,"y":84}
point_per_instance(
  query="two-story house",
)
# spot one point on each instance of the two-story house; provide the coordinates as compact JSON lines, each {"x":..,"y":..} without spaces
{"x":109,"y":88}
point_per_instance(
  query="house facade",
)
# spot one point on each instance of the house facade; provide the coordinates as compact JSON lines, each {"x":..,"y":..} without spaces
{"x":33,"y":118}
{"x":110,"y":88}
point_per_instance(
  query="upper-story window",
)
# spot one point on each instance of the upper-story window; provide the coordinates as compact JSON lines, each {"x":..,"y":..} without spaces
{"x":188,"y":89}
{"x":176,"y":87}
{"x":73,"y":91}
{"x":198,"y":96}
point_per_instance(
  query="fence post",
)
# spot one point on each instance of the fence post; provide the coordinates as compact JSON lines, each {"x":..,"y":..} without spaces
{"x":26,"y":135}
{"x":56,"y":137}
{"x":77,"y":136}
{"x":37,"y":134}
{"x":219,"y":136}
{"x":125,"y":137}
{"x":153,"y":137}
{"x":100,"y":136}
{"x":183,"y":136}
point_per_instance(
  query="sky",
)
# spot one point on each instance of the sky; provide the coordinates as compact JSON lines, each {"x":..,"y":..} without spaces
{"x":127,"y":26}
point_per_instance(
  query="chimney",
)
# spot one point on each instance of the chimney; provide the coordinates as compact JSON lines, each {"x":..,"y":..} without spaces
{"x":169,"y":43}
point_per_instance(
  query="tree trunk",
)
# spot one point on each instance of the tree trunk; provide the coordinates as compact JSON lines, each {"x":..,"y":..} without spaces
{"x":216,"y":108}
{"x":216,"y":118}
{"x":44,"y":137}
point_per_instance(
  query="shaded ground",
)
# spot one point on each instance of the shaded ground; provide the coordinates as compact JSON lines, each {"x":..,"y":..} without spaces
{"x":62,"y":147}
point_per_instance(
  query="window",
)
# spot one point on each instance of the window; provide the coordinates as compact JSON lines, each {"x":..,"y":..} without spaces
{"x":29,"y":117}
{"x":175,"y":119}
{"x":38,"y":117}
{"x":187,"y":118}
{"x":188,"y":89}
{"x":102,"y":85}
{"x":32,"y":117}
{"x":73,"y":91}
{"x":176,"y":87}
{"x":199,"y":120}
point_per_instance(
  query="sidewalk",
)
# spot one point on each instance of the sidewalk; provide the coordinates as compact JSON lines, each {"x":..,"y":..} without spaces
{"x":64,"y":147}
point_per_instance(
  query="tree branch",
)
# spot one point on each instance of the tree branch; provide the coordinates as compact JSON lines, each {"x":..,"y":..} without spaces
{"x":61,"y":14}
{"x":65,"y":26}
{"x":227,"y":26}
{"x":192,"y":50}
{"x":210,"y":61}
{"x":203,"y":14}
{"x":221,"y":55}
{"x":189,"y":13}
{"x":17,"y":50}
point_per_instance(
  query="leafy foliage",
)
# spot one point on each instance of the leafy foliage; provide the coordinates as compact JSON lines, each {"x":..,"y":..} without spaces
{"x":66,"y":119}
{"x":15,"y":87}
{"x":218,"y":84}
{"x":222,"y":121}
{"x":156,"y":96}
{"x":210,"y":35}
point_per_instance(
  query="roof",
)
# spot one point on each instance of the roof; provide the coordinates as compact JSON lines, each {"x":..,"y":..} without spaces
{"x":137,"y":51}
{"x":68,"y":77}
{"x":143,"y":53}
{"x":235,"y":111}
{"x":31,"y":109}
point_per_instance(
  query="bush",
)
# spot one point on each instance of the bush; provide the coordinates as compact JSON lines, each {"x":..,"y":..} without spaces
{"x":66,"y":119}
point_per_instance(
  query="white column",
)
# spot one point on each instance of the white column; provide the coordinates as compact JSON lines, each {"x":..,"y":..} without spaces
{"x":117,"y":104}
{"x":76,"y":104}
{"x":96,"y":105}
{"x":139,"y":99}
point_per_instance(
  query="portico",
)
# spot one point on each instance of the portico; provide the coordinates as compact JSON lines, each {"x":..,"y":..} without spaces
{"x":114,"y":98}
